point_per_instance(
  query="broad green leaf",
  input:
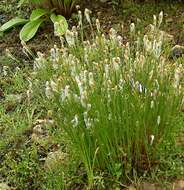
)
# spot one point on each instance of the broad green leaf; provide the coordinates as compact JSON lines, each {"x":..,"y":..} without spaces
{"x":11,"y":23}
{"x":54,"y":18}
{"x":57,"y":18}
{"x":60,"y":24}
{"x":37,"y":13}
{"x":30,"y":29}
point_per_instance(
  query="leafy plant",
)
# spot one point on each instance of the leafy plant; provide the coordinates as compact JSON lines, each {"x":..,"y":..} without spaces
{"x":64,"y":7}
{"x":37,"y":17}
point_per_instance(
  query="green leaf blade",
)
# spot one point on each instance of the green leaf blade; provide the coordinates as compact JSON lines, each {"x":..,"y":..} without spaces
{"x":11,"y":23}
{"x":29,"y":30}
{"x":37,"y":13}
{"x":60,"y":23}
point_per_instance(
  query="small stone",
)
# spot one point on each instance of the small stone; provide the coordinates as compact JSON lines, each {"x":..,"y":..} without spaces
{"x":177,"y":51}
{"x":4,"y":186}
{"x":180,"y":140}
{"x":99,"y":13}
{"x":54,"y":159}
{"x":169,"y":20}
{"x":167,"y":38}
{"x":131,"y":187}
{"x":12,"y":100}
{"x":15,"y":98}
{"x":44,"y":122}
{"x":38,"y":134}
{"x":161,"y":188}
{"x":148,"y":186}
{"x":179,"y":185}
{"x":103,"y":1}
{"x":38,"y":130}
{"x":35,"y":137}
{"x":182,"y":20}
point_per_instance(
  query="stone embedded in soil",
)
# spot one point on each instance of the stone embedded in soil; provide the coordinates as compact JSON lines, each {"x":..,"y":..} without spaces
{"x":40,"y":134}
{"x":178,"y":185}
{"x":12,"y":100}
{"x":148,"y":186}
{"x":180,"y":139}
{"x":177,"y":51}
{"x":151,"y":186}
{"x":54,"y":159}
{"x":169,"y":20}
{"x":131,"y":188}
{"x":4,"y":186}
{"x":167,"y":38}
{"x":38,"y":130}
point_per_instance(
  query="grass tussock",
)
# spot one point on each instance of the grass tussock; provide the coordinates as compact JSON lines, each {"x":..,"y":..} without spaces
{"x":116,"y":102}
{"x":93,"y":114}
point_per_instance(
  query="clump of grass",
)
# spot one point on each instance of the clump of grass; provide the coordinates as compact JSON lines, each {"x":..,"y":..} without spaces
{"x":116,"y":102}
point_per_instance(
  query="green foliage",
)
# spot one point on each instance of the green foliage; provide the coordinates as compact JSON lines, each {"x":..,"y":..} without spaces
{"x":12,"y":23}
{"x":37,"y":13}
{"x":63,"y":7}
{"x":114,"y":109}
{"x":22,"y":169}
{"x":60,"y":24}
{"x":38,"y":16}
{"x":116,"y":102}
{"x":30,"y":29}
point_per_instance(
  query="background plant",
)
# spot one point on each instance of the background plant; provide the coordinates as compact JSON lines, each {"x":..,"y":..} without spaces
{"x":64,"y":7}
{"x":44,"y":11}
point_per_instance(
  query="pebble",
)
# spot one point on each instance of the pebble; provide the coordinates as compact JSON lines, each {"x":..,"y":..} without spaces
{"x":4,"y":186}
{"x":16,"y":98}
{"x":53,"y":159}
{"x":178,"y":185}
{"x":148,"y":186}
{"x":177,"y":51}
{"x":103,"y":1}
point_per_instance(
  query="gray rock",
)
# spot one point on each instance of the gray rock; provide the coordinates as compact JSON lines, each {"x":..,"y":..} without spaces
{"x":177,"y":51}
